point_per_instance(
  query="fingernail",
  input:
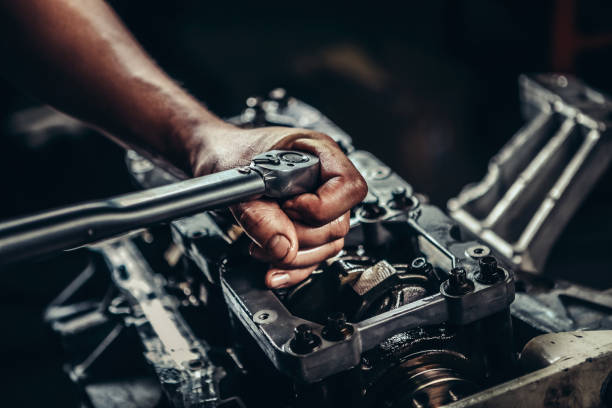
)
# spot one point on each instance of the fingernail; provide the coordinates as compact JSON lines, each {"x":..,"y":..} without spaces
{"x":279,"y":280}
{"x":278,"y":246}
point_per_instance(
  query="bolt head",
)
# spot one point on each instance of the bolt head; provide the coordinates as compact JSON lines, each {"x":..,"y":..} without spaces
{"x":278,"y":93}
{"x":457,"y":276}
{"x":302,"y":331}
{"x":488,"y":263}
{"x":253,"y":101}
{"x":399,"y":191}
{"x":371,"y":208}
{"x":336,"y":320}
{"x":304,"y":341}
{"x":370,"y":199}
{"x":489,"y":272}
{"x":458,"y":283}
{"x":337,"y":328}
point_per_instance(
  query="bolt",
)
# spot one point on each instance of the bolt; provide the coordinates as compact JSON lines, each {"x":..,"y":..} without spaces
{"x":337,"y":328}
{"x":254,"y":104}
{"x":195,"y":364}
{"x":398,"y":192}
{"x":489,"y":271}
{"x":458,"y":283}
{"x":399,"y":198}
{"x":421,"y":266}
{"x":280,"y":96}
{"x":253,"y":101}
{"x":370,"y":206}
{"x":170,"y":376}
{"x":304,"y":340}
{"x":458,"y":277}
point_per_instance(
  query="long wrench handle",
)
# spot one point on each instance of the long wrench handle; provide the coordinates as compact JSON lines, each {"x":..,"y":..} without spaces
{"x":276,"y":174}
{"x":80,"y":224}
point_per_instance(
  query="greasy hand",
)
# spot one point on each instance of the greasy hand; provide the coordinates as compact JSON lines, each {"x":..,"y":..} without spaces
{"x":297,"y":235}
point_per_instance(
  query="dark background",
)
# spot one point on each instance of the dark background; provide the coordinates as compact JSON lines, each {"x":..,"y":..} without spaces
{"x":430,"y":88}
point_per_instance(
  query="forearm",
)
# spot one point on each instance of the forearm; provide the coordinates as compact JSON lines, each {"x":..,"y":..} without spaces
{"x":77,"y":56}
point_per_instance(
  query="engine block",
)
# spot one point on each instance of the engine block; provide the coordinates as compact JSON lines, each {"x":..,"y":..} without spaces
{"x":414,"y":311}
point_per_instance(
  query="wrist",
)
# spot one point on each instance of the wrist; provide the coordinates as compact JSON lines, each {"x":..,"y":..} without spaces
{"x":191,"y":137}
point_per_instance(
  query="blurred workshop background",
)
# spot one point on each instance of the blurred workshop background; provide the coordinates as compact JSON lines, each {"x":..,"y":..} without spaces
{"x":430,"y":88}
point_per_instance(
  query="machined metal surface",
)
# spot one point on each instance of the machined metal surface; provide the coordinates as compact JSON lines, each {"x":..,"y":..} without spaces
{"x":246,"y":298}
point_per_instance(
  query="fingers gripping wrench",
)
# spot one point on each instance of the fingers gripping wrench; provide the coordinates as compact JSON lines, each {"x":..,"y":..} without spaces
{"x":275,"y":174}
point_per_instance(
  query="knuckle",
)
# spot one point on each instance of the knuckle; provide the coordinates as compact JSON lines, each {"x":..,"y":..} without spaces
{"x":317,"y":135}
{"x":252,"y":218}
{"x":339,"y":227}
{"x":360,"y":186}
{"x":338,"y":245}
{"x":328,"y":139}
{"x":357,"y":189}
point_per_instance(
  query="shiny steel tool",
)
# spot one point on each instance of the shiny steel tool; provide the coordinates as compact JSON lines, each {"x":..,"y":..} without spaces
{"x":275,"y":174}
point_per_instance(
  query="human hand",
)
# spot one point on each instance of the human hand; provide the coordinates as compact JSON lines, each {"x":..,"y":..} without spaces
{"x":298,"y":234}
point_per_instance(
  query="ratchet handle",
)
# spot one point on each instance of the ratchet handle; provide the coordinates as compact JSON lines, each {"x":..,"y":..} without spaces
{"x":277,"y":174}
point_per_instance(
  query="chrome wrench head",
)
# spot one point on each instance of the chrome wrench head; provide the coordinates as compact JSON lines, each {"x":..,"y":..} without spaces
{"x":287,"y":173}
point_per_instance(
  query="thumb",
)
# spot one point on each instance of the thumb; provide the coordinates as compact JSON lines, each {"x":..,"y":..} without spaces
{"x":269,"y":228}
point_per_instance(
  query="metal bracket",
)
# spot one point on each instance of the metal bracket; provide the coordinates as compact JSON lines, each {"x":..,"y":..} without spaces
{"x":541,"y":176}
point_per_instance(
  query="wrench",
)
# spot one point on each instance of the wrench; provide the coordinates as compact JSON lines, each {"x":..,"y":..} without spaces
{"x":275,"y":174}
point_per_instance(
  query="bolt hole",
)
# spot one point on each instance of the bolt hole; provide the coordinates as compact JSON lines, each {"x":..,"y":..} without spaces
{"x":455,"y":232}
{"x":195,"y":364}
